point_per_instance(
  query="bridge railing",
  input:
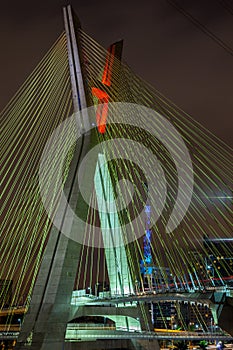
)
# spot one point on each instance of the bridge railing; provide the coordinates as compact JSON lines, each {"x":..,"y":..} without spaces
{"x":9,"y":328}
{"x":95,"y":326}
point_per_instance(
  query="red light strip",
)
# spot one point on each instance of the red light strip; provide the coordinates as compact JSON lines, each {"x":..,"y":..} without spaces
{"x":103,"y":97}
{"x":102,"y":109}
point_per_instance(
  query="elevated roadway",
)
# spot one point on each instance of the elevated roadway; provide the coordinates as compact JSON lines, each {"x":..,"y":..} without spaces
{"x":75,"y":333}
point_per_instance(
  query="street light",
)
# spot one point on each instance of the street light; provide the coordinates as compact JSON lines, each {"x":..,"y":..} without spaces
{"x":211,"y":325}
{"x":19,"y":320}
{"x":136,"y":285}
{"x":96,"y":289}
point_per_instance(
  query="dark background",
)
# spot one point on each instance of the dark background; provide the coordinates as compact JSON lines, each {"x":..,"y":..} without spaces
{"x":161,"y":45}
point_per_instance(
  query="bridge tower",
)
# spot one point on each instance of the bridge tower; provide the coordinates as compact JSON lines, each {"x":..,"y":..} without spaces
{"x":45,"y":323}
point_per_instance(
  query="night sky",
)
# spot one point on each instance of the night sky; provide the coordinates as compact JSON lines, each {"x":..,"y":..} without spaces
{"x":161,"y":45}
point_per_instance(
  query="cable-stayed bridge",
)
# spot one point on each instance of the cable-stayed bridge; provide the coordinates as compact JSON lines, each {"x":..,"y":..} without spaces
{"x":150,"y":211}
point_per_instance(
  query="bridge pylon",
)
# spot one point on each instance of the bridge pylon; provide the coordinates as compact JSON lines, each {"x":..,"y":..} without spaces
{"x":45,"y":323}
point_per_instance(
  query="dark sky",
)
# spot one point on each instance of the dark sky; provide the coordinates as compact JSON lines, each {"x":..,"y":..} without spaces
{"x":161,"y":45}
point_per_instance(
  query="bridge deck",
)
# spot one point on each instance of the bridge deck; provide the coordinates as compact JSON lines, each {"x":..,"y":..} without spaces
{"x":83,"y":335}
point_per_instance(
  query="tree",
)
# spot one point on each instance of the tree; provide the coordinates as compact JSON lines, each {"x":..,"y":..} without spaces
{"x":203,"y":344}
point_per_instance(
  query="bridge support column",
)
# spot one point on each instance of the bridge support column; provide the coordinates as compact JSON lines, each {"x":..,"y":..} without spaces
{"x":217,"y":305}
